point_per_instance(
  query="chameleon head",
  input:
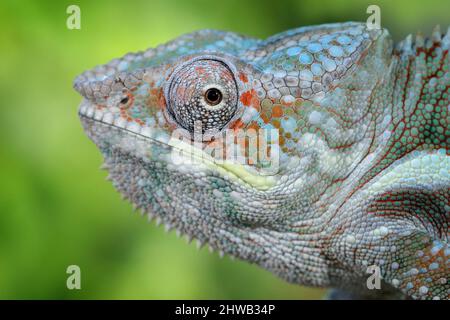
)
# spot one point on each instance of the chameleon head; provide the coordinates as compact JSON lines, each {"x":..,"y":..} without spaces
{"x":235,"y":141}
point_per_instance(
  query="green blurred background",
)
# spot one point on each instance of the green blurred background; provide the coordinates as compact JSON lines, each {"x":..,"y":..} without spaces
{"x":57,"y":209}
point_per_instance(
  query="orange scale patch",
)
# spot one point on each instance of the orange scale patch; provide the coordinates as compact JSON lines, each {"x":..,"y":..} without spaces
{"x":243,"y":77}
{"x":276,"y":123}
{"x":265,"y":118}
{"x":246,"y":97}
{"x":250,"y":99}
{"x":238,"y":124}
{"x":277,"y":111}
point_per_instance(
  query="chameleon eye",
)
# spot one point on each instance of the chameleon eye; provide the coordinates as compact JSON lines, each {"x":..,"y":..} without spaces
{"x":124,"y":100}
{"x":213,"y":96}
{"x":202,"y":92}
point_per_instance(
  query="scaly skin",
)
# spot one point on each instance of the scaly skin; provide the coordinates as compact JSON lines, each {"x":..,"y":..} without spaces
{"x":363,"y":176}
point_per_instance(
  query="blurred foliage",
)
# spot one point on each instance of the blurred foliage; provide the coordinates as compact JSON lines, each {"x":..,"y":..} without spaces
{"x":56,"y":209}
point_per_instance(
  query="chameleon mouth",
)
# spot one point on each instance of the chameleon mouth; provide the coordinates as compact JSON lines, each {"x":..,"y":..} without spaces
{"x":238,"y":172}
{"x":181,"y":153}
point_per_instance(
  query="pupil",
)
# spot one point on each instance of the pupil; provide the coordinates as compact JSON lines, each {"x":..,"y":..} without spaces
{"x":213,"y":96}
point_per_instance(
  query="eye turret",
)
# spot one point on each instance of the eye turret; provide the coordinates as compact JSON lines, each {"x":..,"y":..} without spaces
{"x":202,"y":92}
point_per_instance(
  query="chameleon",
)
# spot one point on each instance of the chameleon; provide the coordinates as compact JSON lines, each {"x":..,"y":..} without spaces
{"x":352,"y":169}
